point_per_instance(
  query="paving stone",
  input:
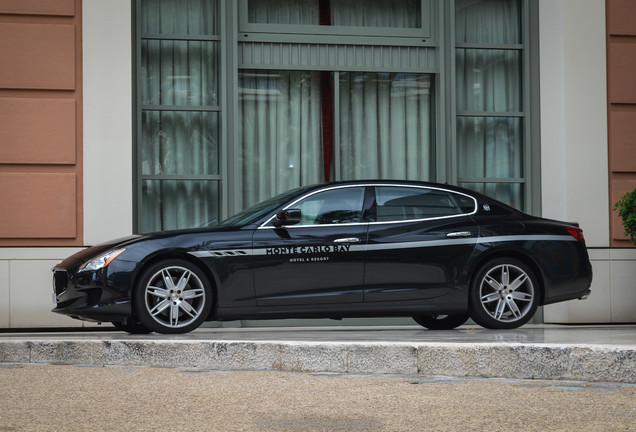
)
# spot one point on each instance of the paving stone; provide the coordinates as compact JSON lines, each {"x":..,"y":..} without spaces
{"x":61,"y":352}
{"x":15,"y":352}
{"x":382,"y":358}
{"x":313,"y":357}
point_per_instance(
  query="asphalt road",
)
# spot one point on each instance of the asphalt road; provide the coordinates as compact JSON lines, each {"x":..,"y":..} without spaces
{"x":80,"y":398}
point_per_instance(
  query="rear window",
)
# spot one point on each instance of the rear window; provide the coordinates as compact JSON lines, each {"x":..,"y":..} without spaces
{"x":411,"y":203}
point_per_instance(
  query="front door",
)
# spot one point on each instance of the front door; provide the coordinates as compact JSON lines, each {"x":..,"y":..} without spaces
{"x":319,"y":261}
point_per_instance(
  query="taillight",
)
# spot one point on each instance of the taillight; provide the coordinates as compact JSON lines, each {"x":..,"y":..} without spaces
{"x":577,"y":233}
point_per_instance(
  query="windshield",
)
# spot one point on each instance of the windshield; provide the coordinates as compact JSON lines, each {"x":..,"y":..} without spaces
{"x":259,"y":210}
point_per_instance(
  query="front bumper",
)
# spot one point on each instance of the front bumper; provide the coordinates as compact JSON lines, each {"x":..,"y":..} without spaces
{"x":99,"y":313}
{"x":85,"y":296}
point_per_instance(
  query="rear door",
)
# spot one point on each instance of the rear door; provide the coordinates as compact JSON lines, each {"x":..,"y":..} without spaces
{"x":419,"y":244}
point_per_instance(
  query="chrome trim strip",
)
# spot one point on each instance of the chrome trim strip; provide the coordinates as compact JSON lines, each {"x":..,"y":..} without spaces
{"x":221,"y":253}
{"x":528,"y":237}
{"x":292,"y":250}
{"x":313,"y":226}
{"x":263,"y":226}
{"x":420,"y":220}
{"x":201,"y":254}
{"x":420,"y":244}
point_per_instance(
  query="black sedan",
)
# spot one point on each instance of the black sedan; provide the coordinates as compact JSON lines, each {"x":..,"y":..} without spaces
{"x":437,"y":253}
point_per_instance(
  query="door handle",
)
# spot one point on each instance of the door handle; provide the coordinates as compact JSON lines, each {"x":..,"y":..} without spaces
{"x":347,"y":240}
{"x":459,"y":234}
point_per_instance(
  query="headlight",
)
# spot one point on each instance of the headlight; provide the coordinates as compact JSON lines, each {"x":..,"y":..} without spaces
{"x":102,"y":260}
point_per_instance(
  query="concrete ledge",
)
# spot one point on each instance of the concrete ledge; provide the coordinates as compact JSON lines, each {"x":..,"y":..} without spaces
{"x":616,"y":363}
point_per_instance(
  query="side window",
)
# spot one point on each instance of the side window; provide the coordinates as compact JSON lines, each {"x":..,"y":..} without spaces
{"x":465,"y":203}
{"x":336,"y":206}
{"x":404,"y":203}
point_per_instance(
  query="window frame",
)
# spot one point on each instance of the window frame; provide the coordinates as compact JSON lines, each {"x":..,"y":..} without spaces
{"x":529,"y":181}
{"x":139,"y":108}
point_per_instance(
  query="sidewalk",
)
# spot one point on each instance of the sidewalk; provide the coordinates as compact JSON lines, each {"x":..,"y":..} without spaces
{"x":588,"y":353}
{"x":48,"y":398}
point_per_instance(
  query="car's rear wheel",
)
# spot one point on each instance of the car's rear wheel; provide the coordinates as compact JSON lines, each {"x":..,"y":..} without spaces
{"x":441,"y":322}
{"x":504,"y":294}
{"x":131,"y":327}
{"x":172,"y":296}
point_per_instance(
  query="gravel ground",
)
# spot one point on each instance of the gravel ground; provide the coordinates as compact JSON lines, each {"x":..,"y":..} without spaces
{"x":75,"y":398}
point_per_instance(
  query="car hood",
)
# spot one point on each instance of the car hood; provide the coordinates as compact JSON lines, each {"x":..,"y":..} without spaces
{"x":91,"y":252}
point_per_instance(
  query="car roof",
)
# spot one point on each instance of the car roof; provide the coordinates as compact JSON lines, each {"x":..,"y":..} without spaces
{"x":370,"y":182}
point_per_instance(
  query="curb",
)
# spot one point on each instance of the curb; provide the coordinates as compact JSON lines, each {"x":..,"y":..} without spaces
{"x":610,"y":363}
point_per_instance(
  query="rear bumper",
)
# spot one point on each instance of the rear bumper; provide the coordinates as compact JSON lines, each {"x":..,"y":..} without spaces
{"x":576,"y":289}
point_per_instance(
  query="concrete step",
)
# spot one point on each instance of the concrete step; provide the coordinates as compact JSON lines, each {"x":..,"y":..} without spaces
{"x":374,"y":352}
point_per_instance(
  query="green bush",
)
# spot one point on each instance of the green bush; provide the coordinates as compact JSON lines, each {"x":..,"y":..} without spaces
{"x":626,"y":207}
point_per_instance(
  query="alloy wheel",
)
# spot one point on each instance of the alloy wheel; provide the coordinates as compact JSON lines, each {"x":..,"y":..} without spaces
{"x":506,"y":293}
{"x":174,"y":297}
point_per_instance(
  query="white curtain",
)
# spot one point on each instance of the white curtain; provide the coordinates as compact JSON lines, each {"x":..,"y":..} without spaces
{"x":487,"y":21}
{"x":377,"y":13}
{"x":385,"y":126}
{"x":489,"y":81}
{"x":293,"y":12}
{"x":385,"y":129}
{"x":174,"y":142}
{"x":174,"y":204}
{"x":354,"y":13}
{"x":178,"y":143}
{"x":280,"y":132}
{"x":490,"y":147}
{"x":179,"y":17}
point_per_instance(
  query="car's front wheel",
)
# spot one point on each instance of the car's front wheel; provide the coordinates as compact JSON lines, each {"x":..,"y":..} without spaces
{"x":172,"y":296}
{"x":441,"y":322}
{"x":504,"y":294}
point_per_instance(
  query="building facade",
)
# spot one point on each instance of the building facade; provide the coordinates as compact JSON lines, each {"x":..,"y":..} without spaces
{"x":132,"y":116}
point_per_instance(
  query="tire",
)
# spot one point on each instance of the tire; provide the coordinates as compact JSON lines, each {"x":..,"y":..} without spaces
{"x":172,"y":296}
{"x":441,"y":322}
{"x":131,"y":327}
{"x":504,"y":294}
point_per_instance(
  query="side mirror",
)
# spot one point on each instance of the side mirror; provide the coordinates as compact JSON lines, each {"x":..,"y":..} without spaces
{"x":287,"y":217}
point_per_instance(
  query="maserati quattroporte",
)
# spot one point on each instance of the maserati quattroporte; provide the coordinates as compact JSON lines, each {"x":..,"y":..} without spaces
{"x":437,"y":253}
